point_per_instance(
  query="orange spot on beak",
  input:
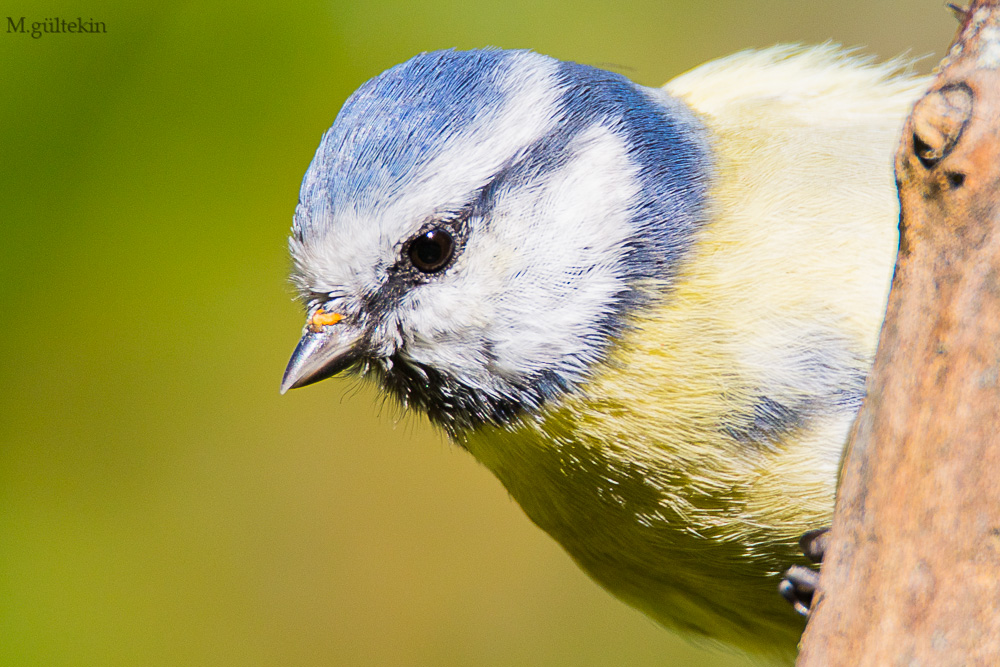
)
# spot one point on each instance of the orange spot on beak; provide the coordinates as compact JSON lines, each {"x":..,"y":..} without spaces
{"x":322,"y":318}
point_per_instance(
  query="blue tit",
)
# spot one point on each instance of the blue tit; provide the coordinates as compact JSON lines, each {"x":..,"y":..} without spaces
{"x":649,"y":312}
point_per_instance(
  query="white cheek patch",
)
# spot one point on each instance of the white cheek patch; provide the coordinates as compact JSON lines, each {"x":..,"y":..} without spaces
{"x":532,"y":286}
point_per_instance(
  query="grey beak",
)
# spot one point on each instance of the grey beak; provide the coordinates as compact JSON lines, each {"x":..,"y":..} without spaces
{"x":319,"y":355}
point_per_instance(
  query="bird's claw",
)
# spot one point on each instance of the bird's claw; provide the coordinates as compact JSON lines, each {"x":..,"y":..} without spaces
{"x":814,"y":543}
{"x":798,"y":586}
{"x":800,"y":583}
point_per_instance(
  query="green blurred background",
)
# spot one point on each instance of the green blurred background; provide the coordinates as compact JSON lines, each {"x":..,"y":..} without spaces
{"x":160,"y":504}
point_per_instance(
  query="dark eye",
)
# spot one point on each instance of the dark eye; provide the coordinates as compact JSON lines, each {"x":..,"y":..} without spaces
{"x":430,"y":252}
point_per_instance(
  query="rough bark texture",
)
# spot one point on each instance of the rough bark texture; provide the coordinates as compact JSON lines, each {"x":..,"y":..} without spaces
{"x":912,"y":576}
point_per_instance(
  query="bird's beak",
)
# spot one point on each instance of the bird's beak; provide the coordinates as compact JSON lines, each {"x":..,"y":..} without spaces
{"x":327,"y":347}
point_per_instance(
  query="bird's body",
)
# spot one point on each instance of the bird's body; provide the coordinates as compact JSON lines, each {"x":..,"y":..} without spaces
{"x":654,"y":310}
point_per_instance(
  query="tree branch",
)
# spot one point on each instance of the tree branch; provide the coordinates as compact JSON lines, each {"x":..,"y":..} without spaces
{"x":912,"y":575}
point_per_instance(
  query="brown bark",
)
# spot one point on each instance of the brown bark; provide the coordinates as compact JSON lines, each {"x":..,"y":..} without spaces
{"x":912,"y":575}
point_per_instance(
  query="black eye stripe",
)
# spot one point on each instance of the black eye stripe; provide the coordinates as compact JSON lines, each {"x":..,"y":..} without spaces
{"x":431,"y":251}
{"x":404,"y":274}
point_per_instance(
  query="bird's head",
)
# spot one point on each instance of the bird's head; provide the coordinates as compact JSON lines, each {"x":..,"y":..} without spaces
{"x":476,"y":228}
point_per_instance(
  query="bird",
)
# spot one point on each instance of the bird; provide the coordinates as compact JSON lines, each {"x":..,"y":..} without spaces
{"x":650,"y":312}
